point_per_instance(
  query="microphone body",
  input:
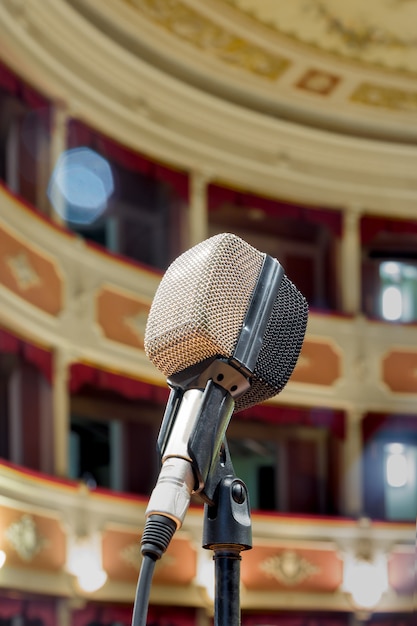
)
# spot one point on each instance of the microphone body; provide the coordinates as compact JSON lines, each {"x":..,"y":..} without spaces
{"x":226,"y":327}
{"x":223,"y":299}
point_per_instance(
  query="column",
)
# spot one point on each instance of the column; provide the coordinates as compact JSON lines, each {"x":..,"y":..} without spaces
{"x":15,"y":417}
{"x":61,"y":412}
{"x":350,"y":270}
{"x":198,"y":215}
{"x":351,"y":466}
{"x":63,"y":612}
{"x":57,"y":148}
{"x":203,"y":618}
{"x":43,"y":166}
{"x":46,"y":443}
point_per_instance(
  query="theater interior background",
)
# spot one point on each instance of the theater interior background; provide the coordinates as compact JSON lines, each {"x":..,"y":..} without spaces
{"x":131,"y":130}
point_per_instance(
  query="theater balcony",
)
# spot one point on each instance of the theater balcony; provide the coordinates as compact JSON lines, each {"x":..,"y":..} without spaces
{"x":130,"y":131}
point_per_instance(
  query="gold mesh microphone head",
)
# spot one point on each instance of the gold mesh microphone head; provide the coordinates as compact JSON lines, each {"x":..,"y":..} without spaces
{"x":200,"y":308}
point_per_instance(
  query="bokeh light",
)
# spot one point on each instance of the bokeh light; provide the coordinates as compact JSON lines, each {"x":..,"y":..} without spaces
{"x":366,"y":580}
{"x":80,"y":186}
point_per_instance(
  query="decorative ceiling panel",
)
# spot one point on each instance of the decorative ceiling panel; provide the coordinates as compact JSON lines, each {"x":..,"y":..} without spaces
{"x":377,"y":32}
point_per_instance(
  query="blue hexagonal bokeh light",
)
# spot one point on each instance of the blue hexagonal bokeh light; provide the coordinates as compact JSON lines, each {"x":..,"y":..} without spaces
{"x":80,"y":186}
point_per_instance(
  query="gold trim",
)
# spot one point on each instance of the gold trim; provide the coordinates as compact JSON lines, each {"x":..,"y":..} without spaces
{"x":25,"y":539}
{"x":385,"y":97}
{"x":288,"y":568}
{"x":359,"y":34}
{"x":191,"y":26}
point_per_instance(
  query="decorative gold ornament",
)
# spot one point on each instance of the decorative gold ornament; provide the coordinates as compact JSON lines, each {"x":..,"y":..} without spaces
{"x":385,"y":97}
{"x":185,"y":22}
{"x":24,"y":537}
{"x":23,"y":272}
{"x":131,"y":555}
{"x":288,"y":568}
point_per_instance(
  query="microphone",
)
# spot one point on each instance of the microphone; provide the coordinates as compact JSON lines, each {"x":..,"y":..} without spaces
{"x":225,"y":299}
{"x":226,"y":328}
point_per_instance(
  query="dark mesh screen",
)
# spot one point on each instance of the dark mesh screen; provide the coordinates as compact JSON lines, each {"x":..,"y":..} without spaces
{"x":281,"y":346}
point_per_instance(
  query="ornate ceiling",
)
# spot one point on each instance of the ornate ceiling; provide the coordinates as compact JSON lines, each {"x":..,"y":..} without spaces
{"x":348,"y":67}
{"x":380,"y":33}
{"x":314,"y":101}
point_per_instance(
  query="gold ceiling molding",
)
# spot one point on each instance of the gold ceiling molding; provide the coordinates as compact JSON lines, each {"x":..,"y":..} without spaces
{"x":386,"y":97}
{"x":203,"y":33}
{"x":378,"y":33}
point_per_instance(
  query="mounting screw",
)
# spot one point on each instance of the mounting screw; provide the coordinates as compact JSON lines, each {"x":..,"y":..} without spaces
{"x":238,"y":493}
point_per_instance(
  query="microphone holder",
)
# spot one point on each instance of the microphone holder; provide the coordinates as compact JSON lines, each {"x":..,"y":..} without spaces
{"x":227,"y":531}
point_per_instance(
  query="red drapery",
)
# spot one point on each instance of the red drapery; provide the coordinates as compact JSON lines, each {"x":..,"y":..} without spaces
{"x":42,"y":610}
{"x":94,"y":614}
{"x":342,"y":619}
{"x":81,"y":135}
{"x":10,"y":608}
{"x":82,"y":375}
{"x":218,"y":195}
{"x":392,"y":620}
{"x":334,"y":420}
{"x":20,"y":89}
{"x":107,"y":615}
{"x":371,"y":226}
{"x":378,"y":423}
{"x":285,"y":619}
{"x":39,"y":357}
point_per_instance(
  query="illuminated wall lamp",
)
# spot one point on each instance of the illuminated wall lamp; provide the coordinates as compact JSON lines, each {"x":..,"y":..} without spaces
{"x":84,"y":562}
{"x":397,"y":466}
{"x":365,"y":579}
{"x":205,"y":575}
{"x":2,"y":558}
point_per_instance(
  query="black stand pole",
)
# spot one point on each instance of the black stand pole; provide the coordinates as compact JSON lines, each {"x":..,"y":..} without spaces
{"x":228,"y":531}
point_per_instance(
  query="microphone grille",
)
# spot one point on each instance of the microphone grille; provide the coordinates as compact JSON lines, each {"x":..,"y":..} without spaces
{"x":201,"y":302}
{"x":281,"y":346}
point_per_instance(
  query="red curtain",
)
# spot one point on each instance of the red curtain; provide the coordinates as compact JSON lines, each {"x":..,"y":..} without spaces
{"x":392,"y":620}
{"x":334,"y":420}
{"x":371,"y":226}
{"x":83,"y":617}
{"x":374,"y":423}
{"x":43,"y":610}
{"x":82,"y":375}
{"x":285,"y":619}
{"x":81,"y":135}
{"x":20,"y":89}
{"x":163,"y":616}
{"x":8,"y":81}
{"x":39,"y":357}
{"x":157,"y":616}
{"x":218,"y":195}
{"x":10,"y":607}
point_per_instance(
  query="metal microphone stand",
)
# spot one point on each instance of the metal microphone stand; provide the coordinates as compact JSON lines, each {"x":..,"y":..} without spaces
{"x":227,"y":532}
